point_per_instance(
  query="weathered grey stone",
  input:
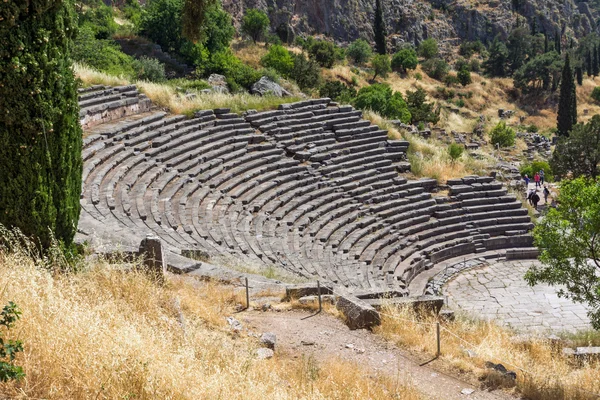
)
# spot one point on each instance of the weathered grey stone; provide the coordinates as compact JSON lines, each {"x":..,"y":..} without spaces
{"x":269,"y":340}
{"x":306,"y":289}
{"x":358,"y":314}
{"x":218,"y":83}
{"x":264,"y":353}
{"x":151,"y":252}
{"x":266,"y":86}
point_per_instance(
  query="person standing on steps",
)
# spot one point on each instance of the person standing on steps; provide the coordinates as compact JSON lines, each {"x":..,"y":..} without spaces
{"x":546,"y":194}
{"x":542,"y":175}
{"x":536,"y":178}
{"x":535,"y":199}
{"x":529,"y":197}
{"x":526,"y":179}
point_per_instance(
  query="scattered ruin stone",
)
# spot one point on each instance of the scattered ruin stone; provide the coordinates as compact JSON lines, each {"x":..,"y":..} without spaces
{"x":265,"y":86}
{"x":151,"y":253}
{"x":264,"y":353}
{"x":269,"y":340}
{"x":234,"y":324}
{"x":218,"y":83}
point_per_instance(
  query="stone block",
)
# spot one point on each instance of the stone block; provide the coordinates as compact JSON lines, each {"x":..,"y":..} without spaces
{"x":359,"y":314}
{"x":153,"y":257}
{"x":307,"y":289}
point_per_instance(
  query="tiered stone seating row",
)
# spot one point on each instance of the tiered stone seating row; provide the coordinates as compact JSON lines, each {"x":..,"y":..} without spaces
{"x":100,"y":104}
{"x":311,"y":188}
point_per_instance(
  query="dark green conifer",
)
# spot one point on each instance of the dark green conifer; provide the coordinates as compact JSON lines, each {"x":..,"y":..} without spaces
{"x":379,"y":29}
{"x":579,"y":74}
{"x":557,"y":45}
{"x":40,"y":135}
{"x":588,"y":63}
{"x":567,"y":103}
{"x":595,"y":63}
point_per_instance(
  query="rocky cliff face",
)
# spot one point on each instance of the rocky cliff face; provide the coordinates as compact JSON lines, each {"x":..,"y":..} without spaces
{"x":449,"y":21}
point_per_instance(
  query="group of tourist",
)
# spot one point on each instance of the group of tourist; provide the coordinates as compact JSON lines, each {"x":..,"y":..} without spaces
{"x":532,"y":195}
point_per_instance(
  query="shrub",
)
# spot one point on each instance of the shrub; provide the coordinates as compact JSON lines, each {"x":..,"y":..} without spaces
{"x":9,"y":348}
{"x":306,"y":73}
{"x":255,"y":24}
{"x":428,"y":48}
{"x":450,"y":80}
{"x":359,"y":51}
{"x":536,"y":166}
{"x":161,"y":23}
{"x":149,"y":69}
{"x":337,"y":91}
{"x":101,"y":54}
{"x":475,"y":65}
{"x":455,"y":151}
{"x":280,"y":59}
{"x":436,"y":68}
{"x":323,"y":52}
{"x":502,"y":135}
{"x":381,"y":99}
{"x":101,"y":20}
{"x":381,"y":65}
{"x":464,"y":76}
{"x":419,"y":109}
{"x":418,"y":76}
{"x":237,"y":73}
{"x":404,"y":60}
{"x":596,"y":93}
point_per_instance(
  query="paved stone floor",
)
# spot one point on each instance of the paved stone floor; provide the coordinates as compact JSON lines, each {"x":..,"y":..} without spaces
{"x":499,"y":292}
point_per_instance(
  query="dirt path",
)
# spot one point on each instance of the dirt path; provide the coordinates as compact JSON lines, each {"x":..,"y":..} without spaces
{"x":325,"y":337}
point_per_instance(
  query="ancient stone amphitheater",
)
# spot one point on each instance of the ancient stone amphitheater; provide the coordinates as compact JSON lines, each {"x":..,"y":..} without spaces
{"x":311,"y":188}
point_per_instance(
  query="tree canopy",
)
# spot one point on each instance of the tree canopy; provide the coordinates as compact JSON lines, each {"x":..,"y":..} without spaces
{"x":255,"y":24}
{"x":569,"y":240}
{"x":579,"y":153}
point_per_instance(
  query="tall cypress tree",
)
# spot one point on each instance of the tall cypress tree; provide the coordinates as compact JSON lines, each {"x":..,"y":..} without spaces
{"x":40,"y":136}
{"x":567,"y":102}
{"x":546,"y":44}
{"x":588,"y":63}
{"x":557,"y":45}
{"x":579,"y":75}
{"x":595,"y":63}
{"x":379,"y":29}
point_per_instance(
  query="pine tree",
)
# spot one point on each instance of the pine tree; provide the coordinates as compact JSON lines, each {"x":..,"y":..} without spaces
{"x":567,"y":113}
{"x":546,"y":44}
{"x":595,"y":63}
{"x":40,"y":136}
{"x":557,"y":43}
{"x":379,"y":29}
{"x":579,"y":74}
{"x":588,"y":63}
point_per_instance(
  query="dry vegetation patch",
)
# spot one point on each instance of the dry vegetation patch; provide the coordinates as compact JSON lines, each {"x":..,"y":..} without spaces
{"x":108,"y":332}
{"x":543,"y":373}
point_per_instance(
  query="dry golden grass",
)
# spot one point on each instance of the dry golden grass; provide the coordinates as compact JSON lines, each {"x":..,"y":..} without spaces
{"x":110,"y":333}
{"x":250,"y":53}
{"x":90,"y":76}
{"x":549,"y":376}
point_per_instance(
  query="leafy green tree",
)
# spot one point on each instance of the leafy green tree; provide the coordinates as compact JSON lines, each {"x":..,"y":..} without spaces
{"x":405,"y":59}
{"x":218,"y":30}
{"x":194,"y":14}
{"x":381,"y":65}
{"x":279,"y":59}
{"x":497,"y":62}
{"x":359,"y":51}
{"x":161,"y":23}
{"x":101,"y":20}
{"x":420,"y":110}
{"x":306,"y":72}
{"x":381,"y":99}
{"x":380,"y":29}
{"x":502,"y":135}
{"x":464,"y":76}
{"x":568,"y":238}
{"x":540,"y":73}
{"x":428,"y":48}
{"x":436,"y":68}
{"x":323,"y":52}
{"x":519,"y":43}
{"x":579,"y":153}
{"x":567,"y":110}
{"x":531,"y":168}
{"x":40,"y":136}
{"x":255,"y":24}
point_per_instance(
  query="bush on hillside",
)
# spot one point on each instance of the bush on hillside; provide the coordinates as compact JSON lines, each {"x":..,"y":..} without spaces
{"x":100,"y":20}
{"x":149,"y":69}
{"x":381,"y":65}
{"x":502,"y":135}
{"x":455,"y":151}
{"x":359,"y":51}
{"x":420,"y":110}
{"x":337,"y":91}
{"x":306,"y":72}
{"x":436,"y":68}
{"x":464,"y":76}
{"x":101,"y":54}
{"x":381,"y":99}
{"x":536,"y":166}
{"x":404,"y":60}
{"x":596,"y":94}
{"x":279,"y":59}
{"x":323,"y":52}
{"x":428,"y":48}
{"x":238,"y":74}
{"x":255,"y":24}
